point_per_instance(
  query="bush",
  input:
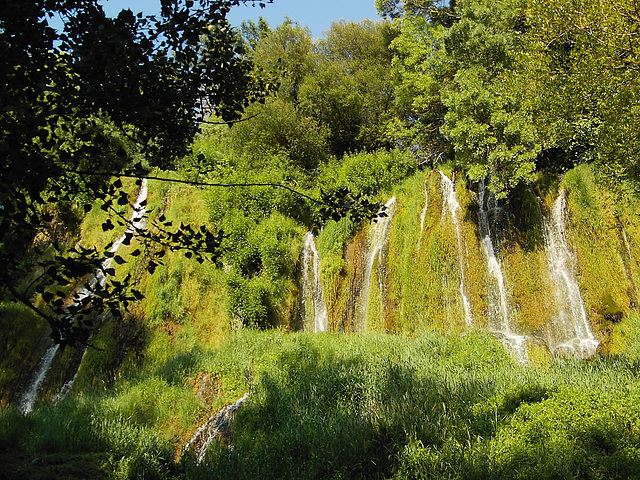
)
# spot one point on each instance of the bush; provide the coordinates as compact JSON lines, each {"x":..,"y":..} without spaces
{"x":368,"y":173}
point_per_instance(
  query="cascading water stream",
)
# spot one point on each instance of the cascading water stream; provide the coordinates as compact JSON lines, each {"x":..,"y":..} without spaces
{"x":217,"y":426}
{"x":452,"y":206}
{"x":375,"y":251}
{"x":572,"y":332}
{"x":314,"y":306}
{"x":423,"y":216}
{"x":498,"y":299}
{"x":28,"y":398}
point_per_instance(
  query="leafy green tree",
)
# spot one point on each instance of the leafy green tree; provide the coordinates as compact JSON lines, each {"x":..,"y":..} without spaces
{"x":278,"y":127}
{"x":419,"y":108}
{"x":351,"y":87}
{"x":79,"y":105}
{"x":580,"y":76}
{"x":458,"y":77}
{"x":252,"y":33}
{"x":288,"y":48}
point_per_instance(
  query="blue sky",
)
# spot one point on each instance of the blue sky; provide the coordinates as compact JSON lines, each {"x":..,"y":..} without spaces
{"x":316,"y":14}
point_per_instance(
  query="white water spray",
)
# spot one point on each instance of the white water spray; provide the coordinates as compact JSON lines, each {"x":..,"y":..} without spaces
{"x":375,"y":251}
{"x":452,"y":206}
{"x":314,"y":306}
{"x":423,"y":216}
{"x":28,"y":398}
{"x":572,"y":332}
{"x":498,"y":298}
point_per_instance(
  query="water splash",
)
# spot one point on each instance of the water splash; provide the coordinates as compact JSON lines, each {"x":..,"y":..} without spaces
{"x":423,"y":216}
{"x":572,"y":333}
{"x":452,"y":206}
{"x":375,"y":251}
{"x":313,"y":304}
{"x":28,"y":398}
{"x":499,"y":316}
{"x":218,"y":426}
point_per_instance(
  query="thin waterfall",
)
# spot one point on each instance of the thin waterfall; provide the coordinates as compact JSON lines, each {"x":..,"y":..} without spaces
{"x":626,"y":243}
{"x":28,"y":398}
{"x":571,"y":329}
{"x":313,"y":304}
{"x":375,"y":251}
{"x":423,"y":216}
{"x":452,"y":206}
{"x":499,"y":316}
{"x":218,"y":426}
{"x":137,"y":221}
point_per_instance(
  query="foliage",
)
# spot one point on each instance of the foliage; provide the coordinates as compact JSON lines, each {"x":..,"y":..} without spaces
{"x":79,"y":102}
{"x":357,"y":406}
{"x":331,"y":242}
{"x":419,"y":108}
{"x":368,"y":173}
{"x":579,"y":76}
{"x":350,"y":89}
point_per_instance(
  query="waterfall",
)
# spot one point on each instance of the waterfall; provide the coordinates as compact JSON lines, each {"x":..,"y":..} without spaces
{"x":627,"y":263}
{"x":452,"y":206}
{"x":498,"y":303}
{"x":313,"y":304}
{"x":375,"y":251}
{"x":423,"y":216}
{"x":137,"y":221}
{"x":28,"y":398}
{"x":217,"y":426}
{"x":571,"y":328}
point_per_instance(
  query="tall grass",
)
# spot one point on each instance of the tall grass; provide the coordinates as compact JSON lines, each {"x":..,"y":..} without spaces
{"x":374,"y":406}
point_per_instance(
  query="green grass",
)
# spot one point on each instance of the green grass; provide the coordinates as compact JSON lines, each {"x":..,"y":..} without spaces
{"x":334,"y":406}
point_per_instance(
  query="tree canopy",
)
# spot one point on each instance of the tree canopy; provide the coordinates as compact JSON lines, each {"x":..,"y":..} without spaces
{"x":516,"y":87}
{"x":100,"y":97}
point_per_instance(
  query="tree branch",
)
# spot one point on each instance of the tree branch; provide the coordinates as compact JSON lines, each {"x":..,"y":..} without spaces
{"x":197,"y":184}
{"x":230,"y":121}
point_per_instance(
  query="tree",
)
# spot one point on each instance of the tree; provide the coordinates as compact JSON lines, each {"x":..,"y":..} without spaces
{"x":289,"y":49}
{"x":580,"y":77}
{"x":82,"y":105}
{"x":461,"y":83}
{"x":350,"y":89}
{"x":419,"y":108}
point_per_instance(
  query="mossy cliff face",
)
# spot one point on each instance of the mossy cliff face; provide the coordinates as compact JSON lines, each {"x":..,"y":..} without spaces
{"x":431,"y":274}
{"x":430,"y":265}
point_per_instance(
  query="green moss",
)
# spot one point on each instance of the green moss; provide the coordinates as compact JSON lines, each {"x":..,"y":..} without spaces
{"x":593,"y":235}
{"x":22,"y":335}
